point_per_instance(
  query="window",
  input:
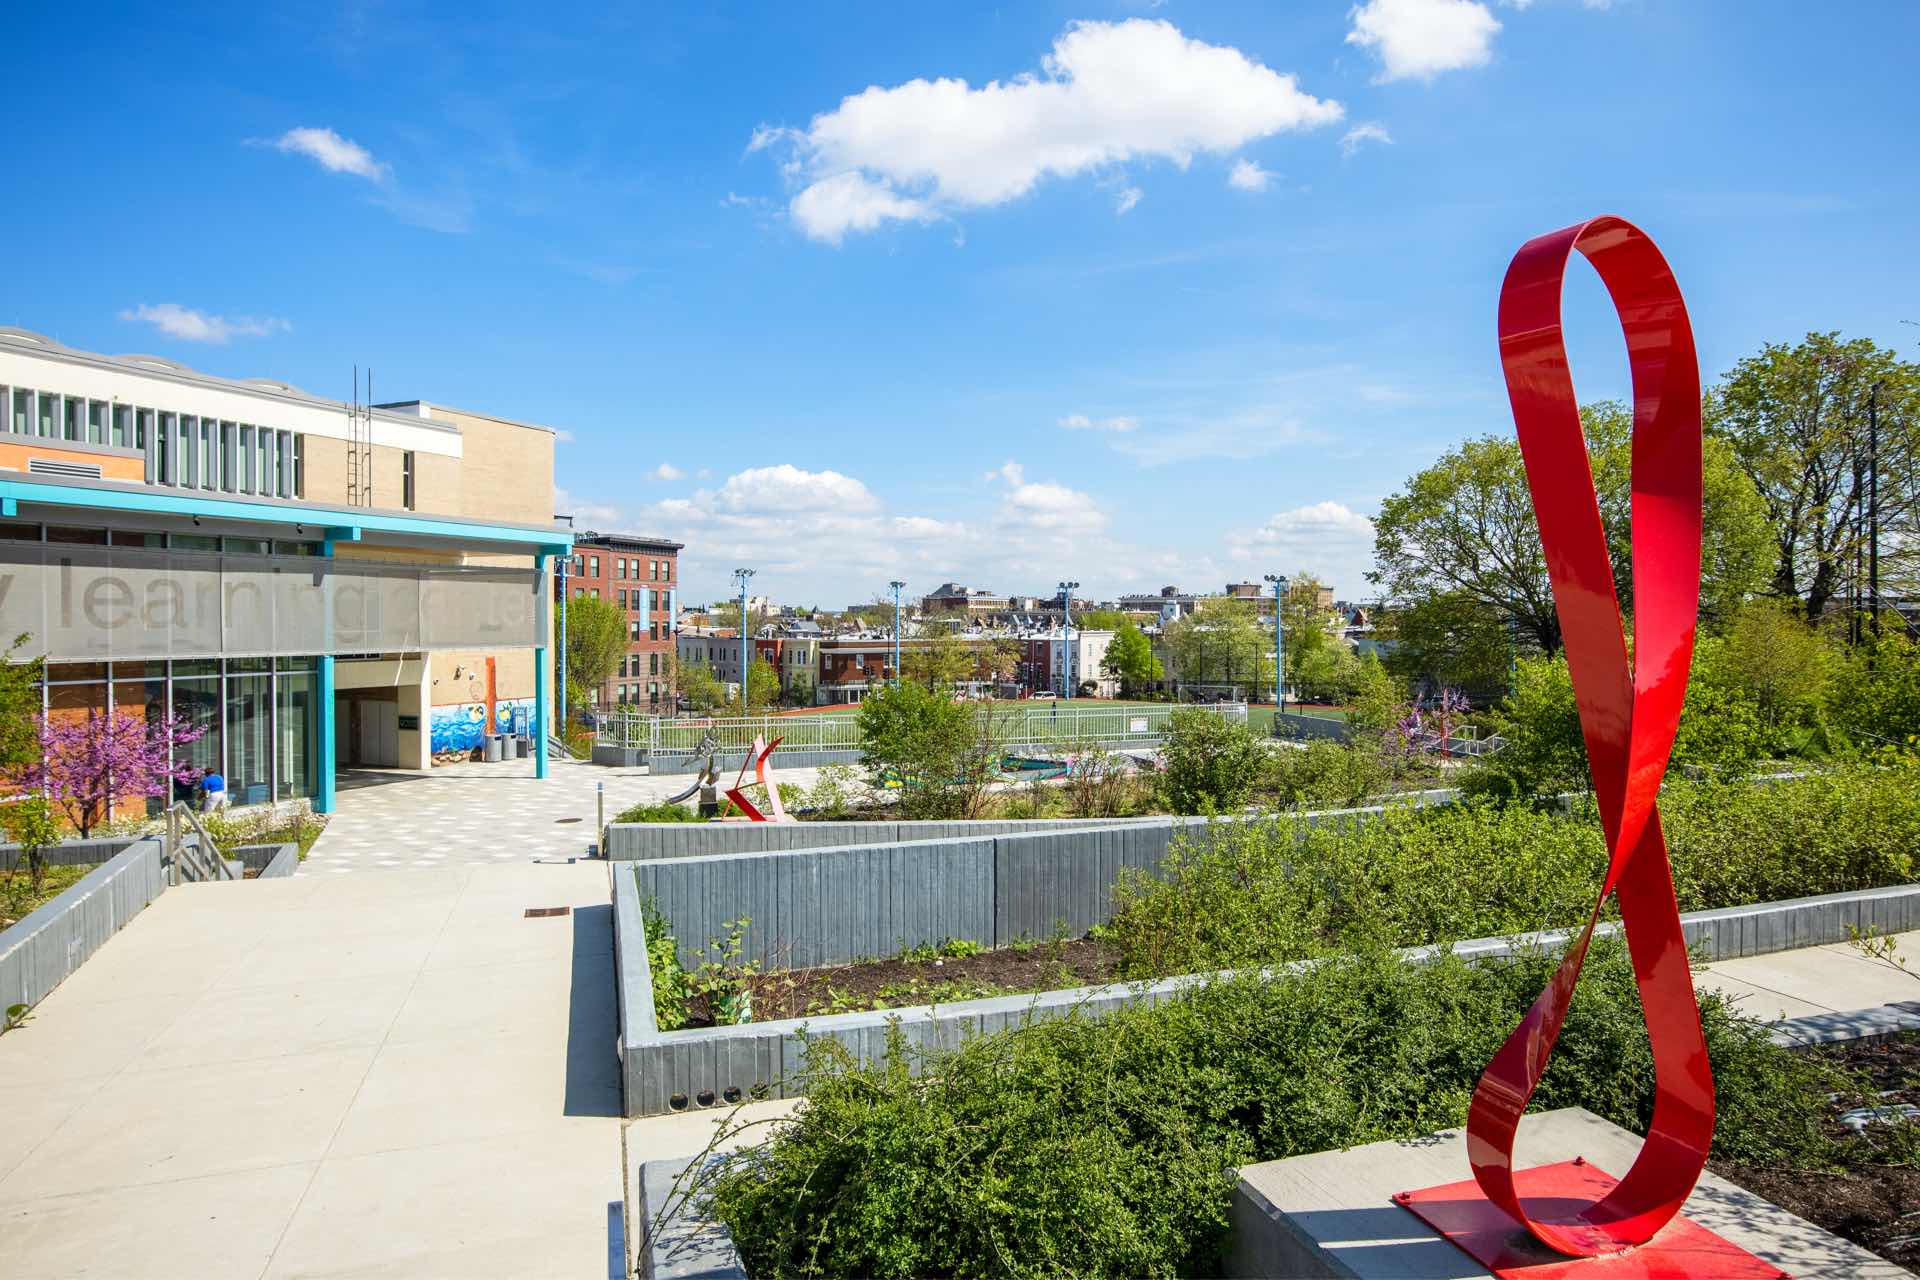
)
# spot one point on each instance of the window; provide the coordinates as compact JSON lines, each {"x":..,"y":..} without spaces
{"x":633,"y":631}
{"x":595,"y":591}
{"x":576,"y":564}
{"x":123,"y":426}
{"x":283,"y":464}
{"x":163,"y":448}
{"x":209,"y":454}
{"x":579,"y":593}
{"x":96,"y":422}
{"x":653,"y":664}
{"x":22,"y":410}
{"x":74,"y":410}
{"x":653,"y":631}
{"x":248,"y":470}
{"x":47,"y":419}
{"x":620,"y":570}
{"x":300,"y":471}
{"x":623,"y":598}
{"x":406,"y":479}
{"x":593,"y":565}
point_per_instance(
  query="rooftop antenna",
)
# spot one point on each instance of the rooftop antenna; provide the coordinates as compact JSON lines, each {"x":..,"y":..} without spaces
{"x":360,"y":444}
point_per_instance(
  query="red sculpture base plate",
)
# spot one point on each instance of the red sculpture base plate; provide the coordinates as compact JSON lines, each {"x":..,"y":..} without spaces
{"x":1683,"y":1249}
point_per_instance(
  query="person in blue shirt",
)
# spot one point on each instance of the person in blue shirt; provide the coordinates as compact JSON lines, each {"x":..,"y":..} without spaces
{"x":213,"y":789}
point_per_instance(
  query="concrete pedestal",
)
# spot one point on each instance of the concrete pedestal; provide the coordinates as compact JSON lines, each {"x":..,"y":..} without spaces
{"x":1330,"y":1213}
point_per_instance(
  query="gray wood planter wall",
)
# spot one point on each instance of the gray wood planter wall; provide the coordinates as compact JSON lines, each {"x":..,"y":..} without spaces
{"x":43,"y":948}
{"x":642,"y":841}
{"x":716,"y":1066}
{"x":69,"y":853}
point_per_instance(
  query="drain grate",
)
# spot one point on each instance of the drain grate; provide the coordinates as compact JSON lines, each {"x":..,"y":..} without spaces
{"x":533,"y":912}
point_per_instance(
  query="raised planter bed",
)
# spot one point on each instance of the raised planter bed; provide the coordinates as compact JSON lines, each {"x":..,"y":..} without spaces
{"x":713,"y":1066}
{"x":45,"y":947}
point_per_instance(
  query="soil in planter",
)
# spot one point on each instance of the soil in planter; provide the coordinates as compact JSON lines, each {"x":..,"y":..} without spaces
{"x":1873,"y":1203}
{"x":923,"y":977}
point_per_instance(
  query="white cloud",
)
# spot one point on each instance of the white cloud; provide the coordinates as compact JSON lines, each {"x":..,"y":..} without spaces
{"x":1351,"y":141}
{"x":1248,"y":176}
{"x":1419,"y":39}
{"x":589,"y":515}
{"x":1109,"y":93}
{"x":1124,"y":202}
{"x":1081,"y":422}
{"x":1328,"y":539}
{"x":666,"y":471}
{"x":189,"y":325}
{"x":787,"y":488}
{"x":1046,"y":506}
{"x":332,"y":152}
{"x":831,"y":207}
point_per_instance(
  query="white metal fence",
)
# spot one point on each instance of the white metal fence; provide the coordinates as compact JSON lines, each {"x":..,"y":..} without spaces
{"x":1018,"y":725}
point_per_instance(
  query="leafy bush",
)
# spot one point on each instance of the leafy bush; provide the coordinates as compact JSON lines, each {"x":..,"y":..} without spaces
{"x":671,"y":984}
{"x":657,"y":811}
{"x":1270,"y":890}
{"x":1328,"y":774}
{"x":1105,"y":1146}
{"x":944,"y":752}
{"x":1212,"y":763}
{"x":832,"y":795}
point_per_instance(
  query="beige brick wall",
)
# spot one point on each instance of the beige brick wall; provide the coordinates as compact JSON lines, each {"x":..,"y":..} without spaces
{"x":506,"y":469}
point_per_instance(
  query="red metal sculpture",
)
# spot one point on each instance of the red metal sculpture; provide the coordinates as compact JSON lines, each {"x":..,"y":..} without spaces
{"x":759,"y":758}
{"x":1629,"y":713}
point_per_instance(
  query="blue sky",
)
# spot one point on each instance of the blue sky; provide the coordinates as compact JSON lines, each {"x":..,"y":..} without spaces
{"x":1177,"y":299}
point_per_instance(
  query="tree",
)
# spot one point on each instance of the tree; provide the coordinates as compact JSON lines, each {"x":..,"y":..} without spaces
{"x":1129,"y":658}
{"x":85,"y":764}
{"x":30,"y":823}
{"x":763,"y":686}
{"x":1797,"y":418}
{"x":19,"y":700}
{"x":1448,"y":640}
{"x":1320,"y":667}
{"x":800,"y":691}
{"x":1220,"y":642}
{"x":1782,"y":662}
{"x":1465,"y":528}
{"x":1378,"y":700}
{"x":596,"y":643}
{"x":701,"y":688}
{"x":940,"y":660}
{"x":1212,"y":763}
{"x":944,"y":754}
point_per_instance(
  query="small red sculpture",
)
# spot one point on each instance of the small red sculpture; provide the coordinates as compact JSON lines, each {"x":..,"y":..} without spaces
{"x":761,"y":754}
{"x":1629,"y":714}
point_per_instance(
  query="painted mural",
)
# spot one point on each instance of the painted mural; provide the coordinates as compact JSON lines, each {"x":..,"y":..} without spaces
{"x":462,"y":726}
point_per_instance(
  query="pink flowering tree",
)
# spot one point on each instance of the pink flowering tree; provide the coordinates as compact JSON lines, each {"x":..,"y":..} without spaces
{"x":84,"y":764}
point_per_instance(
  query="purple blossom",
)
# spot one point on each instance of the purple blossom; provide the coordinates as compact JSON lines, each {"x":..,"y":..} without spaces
{"x":85,"y":764}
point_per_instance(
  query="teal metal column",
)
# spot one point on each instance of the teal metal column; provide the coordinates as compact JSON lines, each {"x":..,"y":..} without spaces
{"x":542,"y":712}
{"x":323,"y":792}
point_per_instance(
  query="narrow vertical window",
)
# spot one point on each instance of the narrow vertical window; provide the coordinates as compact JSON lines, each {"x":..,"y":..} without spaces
{"x":300,"y":469}
{"x":96,"y":422}
{"x":406,"y":479}
{"x":123,"y":426}
{"x":246,"y":458}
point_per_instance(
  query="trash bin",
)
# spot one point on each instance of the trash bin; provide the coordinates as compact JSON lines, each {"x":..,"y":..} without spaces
{"x":490,"y":750}
{"x":523,"y":747}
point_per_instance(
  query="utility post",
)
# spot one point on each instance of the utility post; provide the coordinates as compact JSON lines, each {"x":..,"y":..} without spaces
{"x":1279,"y":581}
{"x":742,"y":576}
{"x":896,"y":584}
{"x":1066,"y":648}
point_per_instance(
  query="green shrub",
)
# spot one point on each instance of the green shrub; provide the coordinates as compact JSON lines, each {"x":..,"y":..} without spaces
{"x":1328,"y":774}
{"x":832,"y":796}
{"x":1105,"y":1146}
{"x":671,"y":984}
{"x":1239,"y":893}
{"x":658,"y":811}
{"x":1212,"y":763}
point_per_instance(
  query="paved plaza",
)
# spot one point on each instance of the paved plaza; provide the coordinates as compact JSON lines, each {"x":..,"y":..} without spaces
{"x":495,"y":814}
{"x":396,"y":1075}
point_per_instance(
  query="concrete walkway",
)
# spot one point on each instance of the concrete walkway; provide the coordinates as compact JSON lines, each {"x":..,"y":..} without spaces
{"x":395,"y":1075}
{"x":1814,"y":980}
{"x":489,"y":814}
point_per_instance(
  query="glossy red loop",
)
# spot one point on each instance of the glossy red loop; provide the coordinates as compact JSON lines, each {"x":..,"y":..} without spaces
{"x":1629,"y":709}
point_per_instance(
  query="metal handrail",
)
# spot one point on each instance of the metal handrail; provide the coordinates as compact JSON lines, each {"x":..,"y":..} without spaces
{"x":204,"y":860}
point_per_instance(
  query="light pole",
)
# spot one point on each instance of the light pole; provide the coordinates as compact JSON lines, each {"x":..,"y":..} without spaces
{"x":896,"y":584}
{"x":1066,"y":648}
{"x":1279,"y":581}
{"x":741,"y":576}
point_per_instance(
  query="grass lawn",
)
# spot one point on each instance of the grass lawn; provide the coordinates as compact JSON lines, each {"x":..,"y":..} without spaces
{"x":17,"y":897}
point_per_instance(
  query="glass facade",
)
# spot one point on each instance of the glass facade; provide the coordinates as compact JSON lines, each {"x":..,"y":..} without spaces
{"x":261,"y":718}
